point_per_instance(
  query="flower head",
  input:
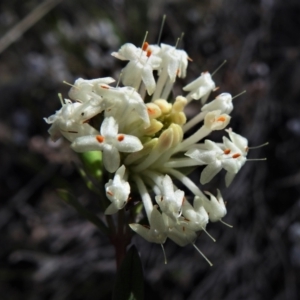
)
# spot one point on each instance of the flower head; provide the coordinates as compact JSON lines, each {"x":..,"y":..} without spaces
{"x":117,"y":191}
{"x":143,"y":141}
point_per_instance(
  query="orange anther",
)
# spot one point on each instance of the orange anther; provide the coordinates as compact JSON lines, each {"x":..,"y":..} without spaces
{"x":236,"y":155}
{"x":149,"y":52}
{"x":109,"y":193}
{"x":105,"y":87}
{"x":221,"y":119}
{"x":189,"y":59}
{"x":226,"y":151}
{"x":121,"y":137}
{"x":145,"y":46}
{"x":178,"y":72}
{"x":100,"y":138}
{"x":150,"y":111}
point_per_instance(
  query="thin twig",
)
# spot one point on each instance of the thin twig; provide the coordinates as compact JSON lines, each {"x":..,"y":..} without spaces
{"x":34,"y":16}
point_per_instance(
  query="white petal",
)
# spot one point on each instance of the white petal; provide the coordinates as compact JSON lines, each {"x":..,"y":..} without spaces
{"x":209,"y":172}
{"x":111,"y":158}
{"x":148,"y":79}
{"x":128,"y":143}
{"x":86,"y":143}
{"x":109,"y":127}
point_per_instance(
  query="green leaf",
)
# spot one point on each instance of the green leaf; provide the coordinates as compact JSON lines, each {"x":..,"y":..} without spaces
{"x":92,"y":161}
{"x":71,"y":200}
{"x":130,"y":281}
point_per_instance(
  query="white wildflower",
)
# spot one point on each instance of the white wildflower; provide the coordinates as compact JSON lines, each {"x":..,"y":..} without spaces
{"x":110,"y":142}
{"x":117,"y":191}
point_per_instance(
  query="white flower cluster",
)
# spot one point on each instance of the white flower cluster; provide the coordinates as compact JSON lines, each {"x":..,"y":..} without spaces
{"x":143,"y":144}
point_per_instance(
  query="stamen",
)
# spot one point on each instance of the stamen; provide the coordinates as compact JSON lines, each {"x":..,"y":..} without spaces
{"x":236,"y":155}
{"x":262,"y":145}
{"x":208,"y":234}
{"x":121,"y":137}
{"x":177,"y":43}
{"x":179,"y":40}
{"x":61,"y":99}
{"x":144,"y":41}
{"x":161,"y":28}
{"x":243,"y":92}
{"x":100,"y":138}
{"x":230,"y":226}
{"x":202,"y":254}
{"x":120,"y":76}
{"x":218,"y":68}
{"x":165,"y":257}
{"x":109,"y":193}
{"x":256,"y":159}
{"x":227,"y":151}
{"x":104,"y":86}
{"x":72,"y":85}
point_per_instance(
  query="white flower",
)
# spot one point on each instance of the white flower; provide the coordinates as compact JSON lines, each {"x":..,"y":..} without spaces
{"x":121,"y":101}
{"x":83,"y":90}
{"x":110,"y":142}
{"x":174,"y":61}
{"x":179,"y":232}
{"x":70,"y":121}
{"x":200,"y":88}
{"x":170,"y":202}
{"x":214,"y":120}
{"x":223,"y":102}
{"x":215,"y":207}
{"x":140,"y":67}
{"x":117,"y":191}
{"x":235,"y":155}
{"x":157,"y":233}
{"x":239,"y":141}
{"x":229,"y":156}
{"x":196,"y":217}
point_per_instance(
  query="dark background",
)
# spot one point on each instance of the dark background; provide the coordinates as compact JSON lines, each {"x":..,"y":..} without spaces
{"x":48,"y":252}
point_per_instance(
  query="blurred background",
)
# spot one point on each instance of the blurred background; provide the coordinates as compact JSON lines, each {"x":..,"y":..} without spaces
{"x":49,"y":252}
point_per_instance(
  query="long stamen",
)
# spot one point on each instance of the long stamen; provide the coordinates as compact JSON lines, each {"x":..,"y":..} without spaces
{"x":228,"y":225}
{"x":243,"y":92}
{"x":61,"y":99}
{"x":209,"y":262}
{"x":72,"y":85}
{"x":165,"y":257}
{"x":218,"y":68}
{"x":120,"y":76}
{"x":262,"y":145}
{"x":208,"y":234}
{"x":256,"y":159}
{"x":161,"y":28}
